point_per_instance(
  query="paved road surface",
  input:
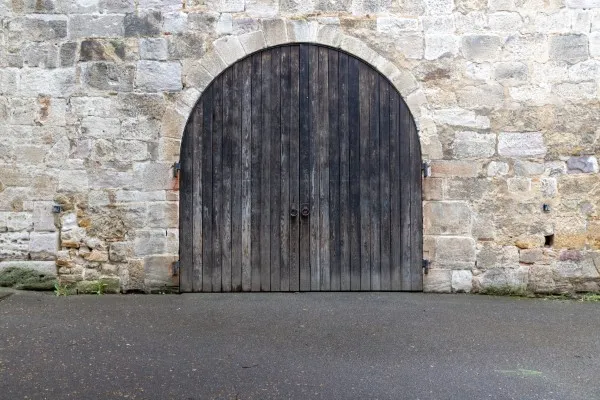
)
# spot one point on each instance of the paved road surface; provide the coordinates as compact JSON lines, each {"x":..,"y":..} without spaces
{"x":298,"y":346}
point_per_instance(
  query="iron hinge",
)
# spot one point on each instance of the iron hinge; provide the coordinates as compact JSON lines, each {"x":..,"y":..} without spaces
{"x":426,"y":266}
{"x":175,"y":268}
{"x":426,"y":169}
{"x":176,"y":169}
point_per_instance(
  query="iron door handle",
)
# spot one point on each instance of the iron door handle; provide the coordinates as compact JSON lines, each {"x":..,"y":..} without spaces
{"x":305,"y":210}
{"x":293,"y":212}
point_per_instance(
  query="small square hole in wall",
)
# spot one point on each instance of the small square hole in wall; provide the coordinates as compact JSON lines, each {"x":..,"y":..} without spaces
{"x":548,"y":240}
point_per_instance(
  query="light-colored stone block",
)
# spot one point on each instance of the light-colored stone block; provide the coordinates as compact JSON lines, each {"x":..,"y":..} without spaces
{"x":455,"y":252}
{"x":275,"y":31}
{"x":59,"y":82}
{"x":440,"y":45}
{"x":570,"y":48}
{"x":462,"y":118}
{"x":462,"y":281}
{"x":154,"y":49}
{"x":521,"y":144}
{"x":81,"y":26}
{"x":474,"y":145}
{"x":43,"y":246}
{"x":154,"y":76}
{"x":446,"y":218}
{"x":44,"y":267}
{"x":229,"y":48}
{"x":438,"y":281}
{"x":481,"y":48}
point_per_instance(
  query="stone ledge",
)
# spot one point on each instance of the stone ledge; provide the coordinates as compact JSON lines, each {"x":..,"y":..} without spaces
{"x":46,"y":267}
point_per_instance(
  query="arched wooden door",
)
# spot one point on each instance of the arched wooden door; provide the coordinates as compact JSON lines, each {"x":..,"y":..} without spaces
{"x":300,"y":171}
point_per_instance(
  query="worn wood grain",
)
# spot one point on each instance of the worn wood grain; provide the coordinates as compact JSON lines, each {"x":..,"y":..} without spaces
{"x":186,"y":210}
{"x":197,"y":243}
{"x":305,"y":168}
{"x":265,"y":171}
{"x":246,"y":198}
{"x":334,"y":171}
{"x":294,"y":169}
{"x":323,"y":133}
{"x":207,"y":190}
{"x":355,"y":167}
{"x":256,"y":176}
{"x":344,"y":172}
{"x":384,"y":173}
{"x":236,"y":179}
{"x":227,"y":169}
{"x":284,"y":213}
{"x":365,"y":190}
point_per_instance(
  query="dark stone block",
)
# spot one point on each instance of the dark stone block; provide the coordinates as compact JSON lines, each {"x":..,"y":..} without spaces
{"x":143,"y":24}
{"x":68,"y":54}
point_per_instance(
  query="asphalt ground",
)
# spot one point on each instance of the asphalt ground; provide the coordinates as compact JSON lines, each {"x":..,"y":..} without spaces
{"x":298,"y":346}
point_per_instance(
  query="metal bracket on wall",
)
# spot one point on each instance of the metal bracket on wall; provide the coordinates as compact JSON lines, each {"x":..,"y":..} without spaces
{"x":175,"y":268}
{"x":176,"y":169}
{"x":426,"y":168}
{"x":426,"y":266}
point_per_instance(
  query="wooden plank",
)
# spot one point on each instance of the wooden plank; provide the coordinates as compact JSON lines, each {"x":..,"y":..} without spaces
{"x":275,"y":168}
{"x":416,"y":210}
{"x":294,"y":169}
{"x":236,"y":178}
{"x":227,"y":161}
{"x":375,"y":198}
{"x":305,"y":170}
{"x":395,"y":195}
{"x":246,"y":198}
{"x":314,"y":90}
{"x":365,"y":221}
{"x":323,"y":161}
{"x":207,"y":190}
{"x":217,"y":154}
{"x":265,"y":187}
{"x":405,"y":190}
{"x":197,"y":197}
{"x":334,"y":171}
{"x":256,"y":163}
{"x":187,"y":204}
{"x":344,"y":159}
{"x":284,"y":215}
{"x":354,"y":106}
{"x":384,"y":173}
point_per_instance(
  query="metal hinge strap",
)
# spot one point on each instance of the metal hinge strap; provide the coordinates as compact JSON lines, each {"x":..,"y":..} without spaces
{"x":426,"y":266}
{"x":175,"y":268}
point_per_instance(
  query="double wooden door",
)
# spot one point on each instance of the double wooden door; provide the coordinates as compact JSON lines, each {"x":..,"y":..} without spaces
{"x":300,"y":171}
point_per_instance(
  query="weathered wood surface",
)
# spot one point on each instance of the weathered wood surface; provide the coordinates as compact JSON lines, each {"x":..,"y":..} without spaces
{"x":293,"y":127}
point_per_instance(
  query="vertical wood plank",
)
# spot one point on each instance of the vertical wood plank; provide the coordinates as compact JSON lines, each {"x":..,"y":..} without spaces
{"x":375,"y":198}
{"x":246,"y":198}
{"x":217,"y":154}
{"x":365,"y":220}
{"x":284,"y":221}
{"x":395,"y":207}
{"x":416,"y":210}
{"x":384,"y":173}
{"x":236,"y":178}
{"x":294,"y":167}
{"x":187,"y":204}
{"x":207,"y":190}
{"x":315,"y":256}
{"x":344,"y":171}
{"x":323,"y":156}
{"x":227,"y":161}
{"x":354,"y":119}
{"x":265,"y":213}
{"x":334,"y":171}
{"x":256,"y":165}
{"x":275,"y":169}
{"x":197,"y":129}
{"x":405,"y":198}
{"x":305,"y":167}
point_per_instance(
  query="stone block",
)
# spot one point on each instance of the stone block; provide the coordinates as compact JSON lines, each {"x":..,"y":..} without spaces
{"x":583,"y":3}
{"x":505,"y":21}
{"x":19,"y":221}
{"x":107,"y":25}
{"x":577,"y":91}
{"x":518,"y":184}
{"x":549,"y":187}
{"x":594,"y":39}
{"x":154,"y":76}
{"x":116,"y":6}
{"x":44,"y":55}
{"x":186,"y":45}
{"x":582,"y":164}
{"x":494,"y":256}
{"x":302,"y":31}
{"x":163,"y":215}
{"x":120,"y":251}
{"x":159,"y":273}
{"x":497,"y":168}
{"x":43,"y":246}
{"x":446,"y":218}
{"x":73,"y":181}
{"x":474,"y":145}
{"x":92,"y":106}
{"x":100,"y":128}
{"x":106,"y":50}
{"x":59,"y":82}
{"x":108,"y":76}
{"x":229,"y":48}
{"x":438,"y":281}
{"x":510,"y":73}
{"x":395,"y":25}
{"x":153,"y":176}
{"x":530,"y":256}
{"x":142,"y":23}
{"x":8,"y":80}
{"x":44,"y":267}
{"x":174,"y":22}
{"x":439,"y":7}
{"x":481,"y":48}
{"x":162,"y":5}
{"x":143,"y":129}
{"x":440,"y":45}
{"x":503,"y":280}
{"x":455,"y":252}
{"x":97,"y":256}
{"x":131,"y":150}
{"x":252,"y":41}
{"x":154,"y":49}
{"x":571,"y":48}
{"x":433,"y":189}
{"x":39,"y":28}
{"x":275,"y":31}
{"x":14,"y":245}
{"x":444,"y":168}
{"x":521,"y":144}
{"x":461,"y":117}
{"x":462,"y":281}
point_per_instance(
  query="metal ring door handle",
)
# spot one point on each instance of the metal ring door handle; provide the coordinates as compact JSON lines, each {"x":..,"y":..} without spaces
{"x":305,"y":211}
{"x":293,"y":212}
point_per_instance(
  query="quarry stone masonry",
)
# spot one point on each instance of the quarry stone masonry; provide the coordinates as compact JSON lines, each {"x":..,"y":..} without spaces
{"x":95,"y":94}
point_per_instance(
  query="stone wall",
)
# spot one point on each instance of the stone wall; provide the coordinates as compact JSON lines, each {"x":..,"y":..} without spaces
{"x":94,"y":95}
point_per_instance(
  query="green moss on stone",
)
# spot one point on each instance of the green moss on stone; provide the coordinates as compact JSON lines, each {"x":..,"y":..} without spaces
{"x":26,"y":279}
